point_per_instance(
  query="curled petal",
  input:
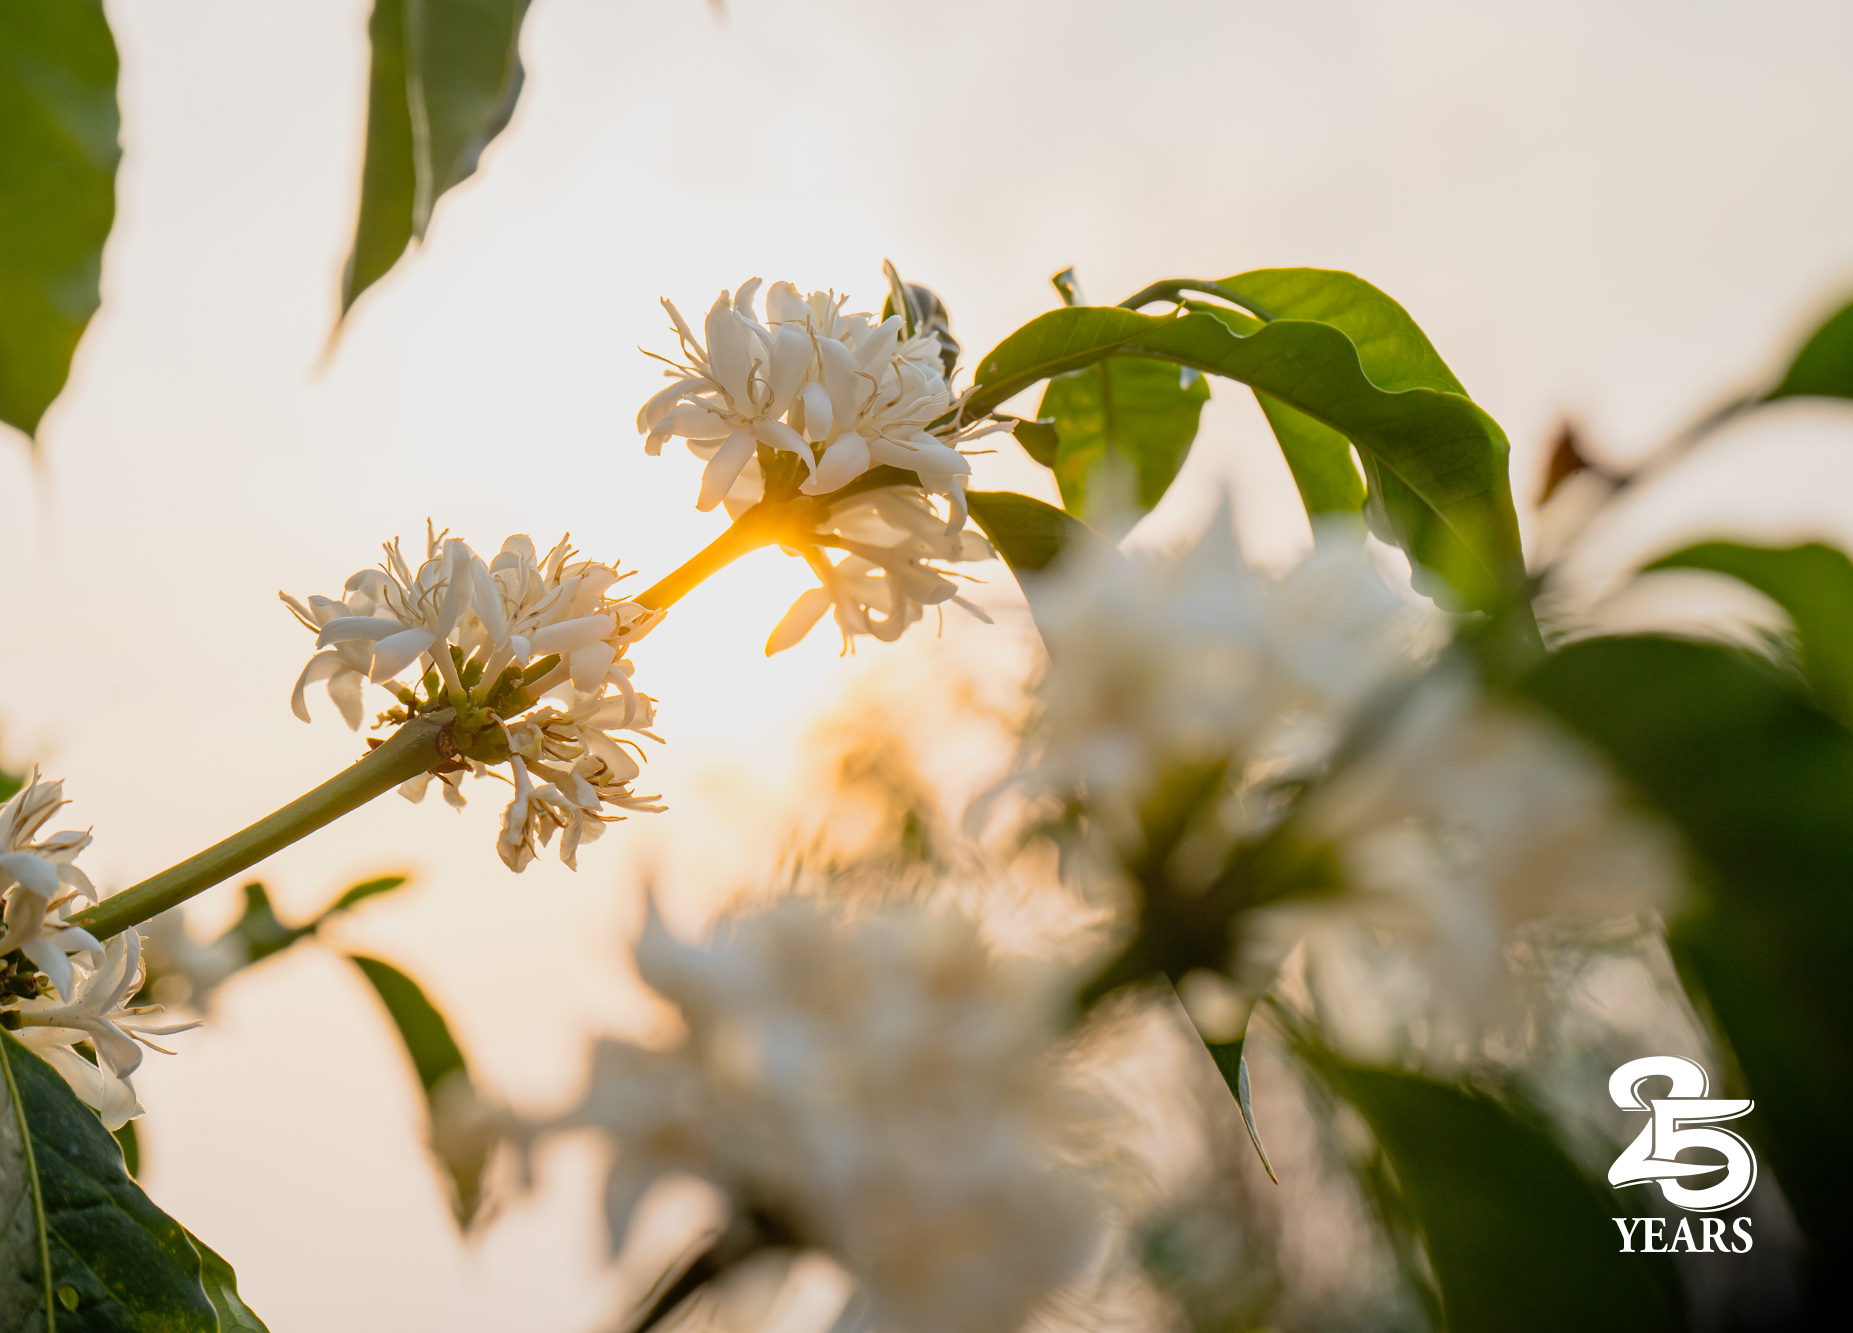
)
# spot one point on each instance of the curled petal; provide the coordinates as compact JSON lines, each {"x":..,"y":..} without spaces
{"x":818,"y":414}
{"x":486,"y":597}
{"x":31,"y":872}
{"x":841,"y":464}
{"x":778,"y":435}
{"x":692,"y":422}
{"x":654,"y":411}
{"x":589,"y":665}
{"x":320,"y":667}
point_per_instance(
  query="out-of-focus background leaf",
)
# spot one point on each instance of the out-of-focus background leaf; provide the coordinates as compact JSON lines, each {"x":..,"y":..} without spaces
{"x":117,"y":1262}
{"x":1518,"y":1237}
{"x":1760,"y":781}
{"x":444,"y":81}
{"x":58,"y":155}
{"x":1824,"y":366}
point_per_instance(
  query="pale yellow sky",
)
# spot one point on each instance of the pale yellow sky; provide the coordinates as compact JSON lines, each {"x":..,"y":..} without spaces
{"x":1616,"y":209}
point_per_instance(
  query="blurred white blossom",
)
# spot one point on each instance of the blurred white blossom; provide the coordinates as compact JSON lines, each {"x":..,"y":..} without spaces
{"x":482,"y":631}
{"x":884,"y":1088}
{"x":39,"y":880}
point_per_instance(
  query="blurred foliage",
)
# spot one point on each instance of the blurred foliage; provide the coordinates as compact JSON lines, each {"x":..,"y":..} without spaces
{"x":1824,"y":366}
{"x":444,"y":81}
{"x":58,"y":155}
{"x":1760,"y":781}
{"x":84,"y":1249}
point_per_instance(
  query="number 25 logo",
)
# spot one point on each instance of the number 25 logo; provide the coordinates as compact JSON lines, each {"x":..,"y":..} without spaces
{"x":1654,"y":1154}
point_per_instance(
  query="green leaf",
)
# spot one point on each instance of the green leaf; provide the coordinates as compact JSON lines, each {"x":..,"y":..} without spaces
{"x":1027,"y":533}
{"x":259,"y":929}
{"x":1814,"y":584}
{"x":1039,"y":441}
{"x":82,"y":1249}
{"x":58,"y":155}
{"x":1761,"y":784}
{"x":362,"y":891}
{"x":1518,"y":1238}
{"x":1319,"y":458}
{"x":222,"y":1290}
{"x":1138,"y":413}
{"x":444,"y":81}
{"x":440,"y":1065}
{"x":1824,"y":366}
{"x":1441,"y":461}
{"x":421,"y":1027}
{"x":1051,"y":345}
{"x":130,"y":1141}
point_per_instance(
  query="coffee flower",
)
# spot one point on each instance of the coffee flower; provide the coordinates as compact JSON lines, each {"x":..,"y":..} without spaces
{"x":883,"y":1089}
{"x":835,"y":394}
{"x":98,"y":1014}
{"x":492,"y":639}
{"x":39,"y":879}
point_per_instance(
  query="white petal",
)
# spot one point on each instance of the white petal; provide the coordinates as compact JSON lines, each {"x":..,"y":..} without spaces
{"x":31,"y":872}
{"x":569,"y":635}
{"x":841,"y":464}
{"x":486,"y":597}
{"x":818,"y":414}
{"x":791,"y":354}
{"x":654,"y":411}
{"x":724,"y":469}
{"x":780,"y":436}
{"x":393,"y":655}
{"x":799,"y":621}
{"x":346,"y":689}
{"x":345,"y":628}
{"x":692,"y":422}
{"x":589,"y":665}
{"x":320,"y":667}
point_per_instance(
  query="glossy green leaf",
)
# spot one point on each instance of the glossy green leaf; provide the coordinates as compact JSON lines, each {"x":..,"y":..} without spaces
{"x":1027,"y":533}
{"x":1518,"y":1237}
{"x":1761,"y":783}
{"x":58,"y":155}
{"x":1051,"y":345}
{"x":1319,"y":459}
{"x":1441,"y":461}
{"x":444,"y":80}
{"x":1824,"y":366}
{"x":1137,"y":413}
{"x":222,"y":1290}
{"x":1039,"y":441}
{"x":1814,"y":584}
{"x":82,"y":1249}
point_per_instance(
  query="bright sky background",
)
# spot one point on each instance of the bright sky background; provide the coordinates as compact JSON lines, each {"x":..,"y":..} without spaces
{"x":1620,"y":210}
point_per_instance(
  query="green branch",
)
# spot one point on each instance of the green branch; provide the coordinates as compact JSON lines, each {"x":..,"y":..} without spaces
{"x":413,"y":749}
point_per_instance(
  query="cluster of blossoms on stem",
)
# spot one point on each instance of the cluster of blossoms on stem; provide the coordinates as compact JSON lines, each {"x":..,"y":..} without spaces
{"x":61,"y":987}
{"x":528,"y":651}
{"x":858,"y":412}
{"x":882,"y":1089}
{"x":1455,"y":817}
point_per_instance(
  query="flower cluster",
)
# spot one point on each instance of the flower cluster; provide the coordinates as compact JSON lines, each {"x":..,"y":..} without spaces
{"x":1453,"y":817}
{"x":882,"y":1088}
{"x":61,"y":987}
{"x":830,"y":395}
{"x":491,"y":639}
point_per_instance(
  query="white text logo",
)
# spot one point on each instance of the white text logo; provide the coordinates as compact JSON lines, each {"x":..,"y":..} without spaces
{"x":1685,"y":1119}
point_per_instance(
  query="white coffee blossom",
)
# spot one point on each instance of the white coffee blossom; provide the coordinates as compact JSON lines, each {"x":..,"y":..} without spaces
{"x":1158,"y":661}
{"x":841,"y":393}
{"x":885,"y":579}
{"x":39,"y":880}
{"x":478,"y":632}
{"x":98,"y":1014}
{"x":884,"y":1088}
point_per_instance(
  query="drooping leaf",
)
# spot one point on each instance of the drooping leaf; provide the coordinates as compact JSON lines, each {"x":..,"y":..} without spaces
{"x":1027,"y":533}
{"x":1319,"y":459}
{"x":85,"y":1250}
{"x":58,"y":155}
{"x":1441,"y":461}
{"x":1761,"y":783}
{"x":442,"y":1072}
{"x":1824,"y":366}
{"x":259,"y":930}
{"x":445,"y":76}
{"x":421,"y":1027}
{"x":1518,"y":1237}
{"x":222,"y":1290}
{"x":1039,"y":441}
{"x":1139,"y":414}
{"x":1814,"y":584}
